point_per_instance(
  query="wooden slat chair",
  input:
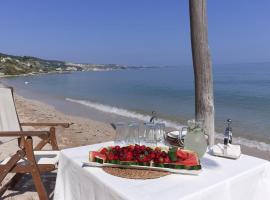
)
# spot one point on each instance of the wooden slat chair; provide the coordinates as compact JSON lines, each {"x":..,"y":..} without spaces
{"x":27,"y":159}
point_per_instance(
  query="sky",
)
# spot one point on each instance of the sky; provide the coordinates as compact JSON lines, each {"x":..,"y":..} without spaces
{"x":133,"y":32}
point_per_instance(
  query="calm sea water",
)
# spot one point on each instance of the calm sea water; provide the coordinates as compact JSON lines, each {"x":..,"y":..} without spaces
{"x":242,"y":93}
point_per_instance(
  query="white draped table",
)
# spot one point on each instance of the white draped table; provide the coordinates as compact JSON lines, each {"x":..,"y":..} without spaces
{"x":243,"y":179}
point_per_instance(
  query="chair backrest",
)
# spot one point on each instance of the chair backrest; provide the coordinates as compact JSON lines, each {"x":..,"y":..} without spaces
{"x":8,"y":116}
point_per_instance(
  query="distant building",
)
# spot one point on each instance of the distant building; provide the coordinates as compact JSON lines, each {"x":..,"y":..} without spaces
{"x":71,"y":69}
{"x":58,"y":69}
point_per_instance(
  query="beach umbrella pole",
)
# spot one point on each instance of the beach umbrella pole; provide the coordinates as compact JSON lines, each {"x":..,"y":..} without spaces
{"x":204,"y":100}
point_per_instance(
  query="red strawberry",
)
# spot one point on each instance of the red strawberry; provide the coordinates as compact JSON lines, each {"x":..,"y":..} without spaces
{"x":152,"y":155}
{"x":131,"y":147}
{"x":146,"y":159}
{"x":137,"y":147}
{"x":142,"y":148}
{"x":125,"y":150}
{"x":167,"y":159}
{"x":115,"y":157}
{"x":158,"y":155}
{"x":148,"y":149}
{"x":129,"y":156}
{"x":163,"y":154}
{"x":117,"y":148}
{"x":110,"y":156}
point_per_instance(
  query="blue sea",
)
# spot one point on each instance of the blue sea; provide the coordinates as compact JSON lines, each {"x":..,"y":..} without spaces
{"x":241,"y":92}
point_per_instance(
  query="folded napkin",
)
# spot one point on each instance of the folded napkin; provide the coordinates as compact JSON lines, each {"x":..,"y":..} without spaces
{"x":232,"y":151}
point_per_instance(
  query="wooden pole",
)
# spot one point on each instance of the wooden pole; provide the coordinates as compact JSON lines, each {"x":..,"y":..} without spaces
{"x":204,"y":101}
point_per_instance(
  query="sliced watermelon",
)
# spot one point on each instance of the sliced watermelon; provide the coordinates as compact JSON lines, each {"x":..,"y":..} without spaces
{"x":95,"y":156}
{"x":182,"y":154}
{"x":191,"y":160}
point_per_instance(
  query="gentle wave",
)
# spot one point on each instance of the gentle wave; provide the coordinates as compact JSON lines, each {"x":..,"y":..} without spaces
{"x":122,"y":112}
{"x":130,"y":114}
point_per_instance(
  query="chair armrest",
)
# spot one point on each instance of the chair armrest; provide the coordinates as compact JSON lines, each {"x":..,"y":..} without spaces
{"x":23,"y":133}
{"x":65,"y":125}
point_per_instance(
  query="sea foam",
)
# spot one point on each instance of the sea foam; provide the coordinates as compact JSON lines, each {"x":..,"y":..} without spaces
{"x":131,"y":114}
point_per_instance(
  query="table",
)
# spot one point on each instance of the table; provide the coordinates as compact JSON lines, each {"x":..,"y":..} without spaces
{"x":247,"y":178}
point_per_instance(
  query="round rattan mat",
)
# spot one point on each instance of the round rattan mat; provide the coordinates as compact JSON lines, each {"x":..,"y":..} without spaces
{"x":135,"y":173}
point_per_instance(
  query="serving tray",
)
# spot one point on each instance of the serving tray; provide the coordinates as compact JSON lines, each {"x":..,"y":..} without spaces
{"x":194,"y":170}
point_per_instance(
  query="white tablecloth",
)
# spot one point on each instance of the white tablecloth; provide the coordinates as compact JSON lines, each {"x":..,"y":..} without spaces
{"x":243,"y":179}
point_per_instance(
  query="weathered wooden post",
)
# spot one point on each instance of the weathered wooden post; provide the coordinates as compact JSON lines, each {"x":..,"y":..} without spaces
{"x":204,"y":102}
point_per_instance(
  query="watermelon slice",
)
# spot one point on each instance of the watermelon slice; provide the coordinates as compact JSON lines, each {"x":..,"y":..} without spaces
{"x":191,"y":160}
{"x":95,"y":156}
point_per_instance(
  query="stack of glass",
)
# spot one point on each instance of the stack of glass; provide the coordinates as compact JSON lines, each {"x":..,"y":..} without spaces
{"x":149,"y":134}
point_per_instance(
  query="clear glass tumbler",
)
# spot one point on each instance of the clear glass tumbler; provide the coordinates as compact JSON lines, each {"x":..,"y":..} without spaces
{"x":149,"y":134}
{"x":133,"y":133}
{"x":160,"y":134}
{"x":121,"y":134}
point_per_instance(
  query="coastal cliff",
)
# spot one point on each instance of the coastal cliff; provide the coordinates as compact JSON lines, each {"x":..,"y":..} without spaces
{"x":18,"y":65}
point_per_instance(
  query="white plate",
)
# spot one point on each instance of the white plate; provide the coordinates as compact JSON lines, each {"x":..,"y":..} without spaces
{"x":174,"y":134}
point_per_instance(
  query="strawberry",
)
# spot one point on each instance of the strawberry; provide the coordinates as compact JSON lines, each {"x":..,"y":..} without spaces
{"x":131,"y":147}
{"x":137,"y":147}
{"x":158,"y":155}
{"x":117,"y":148}
{"x":115,"y":157}
{"x":167,"y":159}
{"x":129,"y":156}
{"x":142,"y":148}
{"x":152,"y":155}
{"x":148,"y":149}
{"x":163,"y":154}
{"x":146,"y":159}
{"x":110,"y":156}
{"x":125,"y":150}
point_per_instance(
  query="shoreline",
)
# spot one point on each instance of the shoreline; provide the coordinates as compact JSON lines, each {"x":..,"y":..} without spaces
{"x":82,"y":125}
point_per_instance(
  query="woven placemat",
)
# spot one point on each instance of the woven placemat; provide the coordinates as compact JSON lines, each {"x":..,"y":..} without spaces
{"x":135,"y":173}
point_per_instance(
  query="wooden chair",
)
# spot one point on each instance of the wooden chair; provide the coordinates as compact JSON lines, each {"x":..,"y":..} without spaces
{"x":27,"y":159}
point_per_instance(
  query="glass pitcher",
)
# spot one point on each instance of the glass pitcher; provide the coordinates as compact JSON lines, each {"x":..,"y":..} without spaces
{"x":195,"y":139}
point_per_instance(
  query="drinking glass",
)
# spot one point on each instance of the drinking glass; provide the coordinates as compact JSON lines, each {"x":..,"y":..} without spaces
{"x":121,"y":134}
{"x":133,"y":133}
{"x":149,"y":134}
{"x":159,"y":135}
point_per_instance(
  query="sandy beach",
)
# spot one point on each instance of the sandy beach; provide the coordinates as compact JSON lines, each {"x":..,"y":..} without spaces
{"x":83,"y":131}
